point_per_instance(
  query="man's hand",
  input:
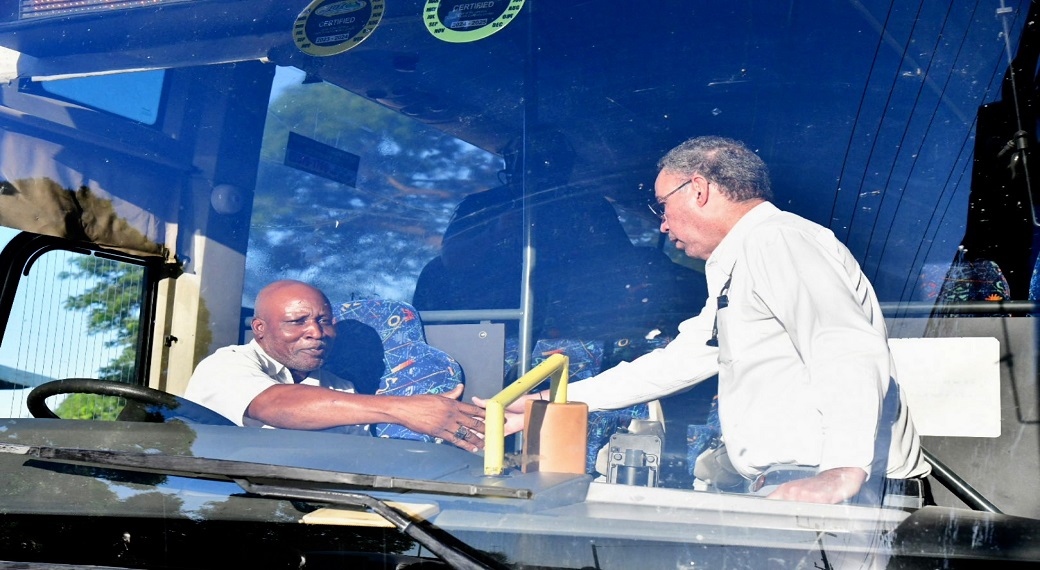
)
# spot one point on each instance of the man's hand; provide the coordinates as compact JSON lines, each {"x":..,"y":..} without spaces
{"x":443,"y":416}
{"x":296,"y":406}
{"x":514,"y":412}
{"x":830,"y":486}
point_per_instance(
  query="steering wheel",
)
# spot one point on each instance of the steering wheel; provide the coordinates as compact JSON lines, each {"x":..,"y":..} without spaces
{"x":143,"y":404}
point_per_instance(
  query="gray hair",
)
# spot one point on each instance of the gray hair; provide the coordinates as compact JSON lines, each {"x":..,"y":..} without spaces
{"x":740,"y":173}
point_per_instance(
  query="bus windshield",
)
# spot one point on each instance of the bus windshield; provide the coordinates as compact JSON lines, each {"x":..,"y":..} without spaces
{"x":467,"y":186}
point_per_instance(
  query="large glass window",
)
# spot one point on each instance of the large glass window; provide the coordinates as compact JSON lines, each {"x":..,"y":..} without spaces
{"x":490,"y":164}
{"x":351,"y":196}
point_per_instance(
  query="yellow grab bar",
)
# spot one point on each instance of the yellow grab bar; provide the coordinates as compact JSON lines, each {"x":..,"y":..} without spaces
{"x":495,"y":414}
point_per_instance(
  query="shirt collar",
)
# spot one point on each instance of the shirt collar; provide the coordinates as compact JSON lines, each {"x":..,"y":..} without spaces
{"x":726,"y":253}
{"x":270,"y":365}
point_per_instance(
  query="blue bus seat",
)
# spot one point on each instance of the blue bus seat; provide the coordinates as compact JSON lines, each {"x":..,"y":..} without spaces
{"x":382,"y":349}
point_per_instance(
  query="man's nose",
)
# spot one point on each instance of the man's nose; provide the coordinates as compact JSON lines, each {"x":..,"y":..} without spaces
{"x":328,"y":330}
{"x":316,"y":329}
{"x":664,"y":225}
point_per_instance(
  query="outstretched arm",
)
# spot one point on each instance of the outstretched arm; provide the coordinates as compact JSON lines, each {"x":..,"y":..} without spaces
{"x":311,"y":407}
{"x":515,"y":411}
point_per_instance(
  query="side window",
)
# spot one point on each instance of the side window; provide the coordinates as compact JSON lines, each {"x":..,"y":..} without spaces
{"x":70,"y":313}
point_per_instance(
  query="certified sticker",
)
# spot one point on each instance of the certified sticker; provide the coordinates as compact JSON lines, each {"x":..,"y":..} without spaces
{"x":329,"y":27}
{"x":459,"y":21}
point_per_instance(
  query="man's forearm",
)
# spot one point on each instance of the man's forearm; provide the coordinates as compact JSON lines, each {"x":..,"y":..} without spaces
{"x":831,"y":486}
{"x":313,"y":407}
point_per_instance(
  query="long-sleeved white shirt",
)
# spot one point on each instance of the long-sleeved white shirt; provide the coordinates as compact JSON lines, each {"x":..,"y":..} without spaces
{"x":803,"y":358}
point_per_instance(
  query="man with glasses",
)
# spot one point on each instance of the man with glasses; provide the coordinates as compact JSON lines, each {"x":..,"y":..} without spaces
{"x":808,"y":404}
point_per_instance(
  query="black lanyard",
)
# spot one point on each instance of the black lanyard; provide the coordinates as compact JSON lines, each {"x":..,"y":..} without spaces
{"x":721,"y":303}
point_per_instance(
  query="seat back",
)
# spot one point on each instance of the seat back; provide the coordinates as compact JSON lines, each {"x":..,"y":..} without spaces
{"x":384,"y":336}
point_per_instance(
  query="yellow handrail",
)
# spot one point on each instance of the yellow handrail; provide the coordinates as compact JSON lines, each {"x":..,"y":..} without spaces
{"x":495,"y":415}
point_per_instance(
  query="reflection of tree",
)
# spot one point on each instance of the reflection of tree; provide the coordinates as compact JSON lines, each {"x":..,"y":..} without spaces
{"x":49,"y":487}
{"x":369,"y":240}
{"x":113,"y":305}
{"x":44,"y":485}
{"x":232,"y":507}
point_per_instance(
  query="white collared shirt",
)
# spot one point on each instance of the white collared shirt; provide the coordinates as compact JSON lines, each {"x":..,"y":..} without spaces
{"x":228,"y":380}
{"x":803,"y":358}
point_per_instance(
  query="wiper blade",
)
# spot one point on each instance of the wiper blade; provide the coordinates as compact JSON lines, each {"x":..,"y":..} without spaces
{"x":447,"y":548}
{"x":231,"y":470}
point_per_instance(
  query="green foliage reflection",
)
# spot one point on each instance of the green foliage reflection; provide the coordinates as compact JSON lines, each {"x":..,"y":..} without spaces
{"x":113,"y":304}
{"x":368,"y":240}
{"x":90,"y":407}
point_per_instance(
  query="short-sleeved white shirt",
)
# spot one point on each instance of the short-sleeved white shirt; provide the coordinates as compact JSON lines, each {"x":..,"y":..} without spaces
{"x":228,"y":380}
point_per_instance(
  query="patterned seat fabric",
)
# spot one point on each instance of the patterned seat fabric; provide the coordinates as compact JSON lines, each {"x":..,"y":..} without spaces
{"x":410,"y":366}
{"x":962,"y":281}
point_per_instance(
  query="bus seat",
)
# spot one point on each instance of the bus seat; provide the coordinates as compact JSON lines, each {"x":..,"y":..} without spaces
{"x":382,"y":349}
{"x":964,"y":281}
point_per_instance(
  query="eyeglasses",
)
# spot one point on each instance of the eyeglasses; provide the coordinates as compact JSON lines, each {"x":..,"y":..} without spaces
{"x":658,"y":207}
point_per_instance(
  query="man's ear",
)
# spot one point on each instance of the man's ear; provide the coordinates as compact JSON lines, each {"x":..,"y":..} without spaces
{"x":700,"y":190}
{"x":258,"y":326}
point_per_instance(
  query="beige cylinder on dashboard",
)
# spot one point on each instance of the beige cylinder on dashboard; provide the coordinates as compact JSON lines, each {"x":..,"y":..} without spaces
{"x":555,"y":437}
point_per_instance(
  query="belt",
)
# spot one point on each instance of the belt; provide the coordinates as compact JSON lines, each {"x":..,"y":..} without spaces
{"x":912,"y":487}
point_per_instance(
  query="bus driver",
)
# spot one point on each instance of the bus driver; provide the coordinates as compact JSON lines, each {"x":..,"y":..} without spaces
{"x":277,"y":380}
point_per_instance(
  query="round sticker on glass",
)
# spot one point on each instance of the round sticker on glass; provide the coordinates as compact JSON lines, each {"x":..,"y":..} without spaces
{"x":329,"y":27}
{"x":460,"y":21}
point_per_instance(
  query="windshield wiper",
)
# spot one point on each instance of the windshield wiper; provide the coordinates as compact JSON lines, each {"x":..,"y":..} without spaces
{"x":454,"y":554}
{"x":231,"y":470}
{"x":278,"y":481}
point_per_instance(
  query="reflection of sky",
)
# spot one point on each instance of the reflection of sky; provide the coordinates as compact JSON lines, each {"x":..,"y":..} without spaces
{"x":132,"y":95}
{"x":406,"y":205}
{"x":285,"y":77}
{"x":12,"y":402}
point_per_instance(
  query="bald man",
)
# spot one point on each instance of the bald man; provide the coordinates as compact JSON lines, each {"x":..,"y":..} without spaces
{"x":277,"y":381}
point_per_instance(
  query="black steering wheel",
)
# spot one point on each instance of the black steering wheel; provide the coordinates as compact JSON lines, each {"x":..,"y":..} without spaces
{"x":143,"y":404}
